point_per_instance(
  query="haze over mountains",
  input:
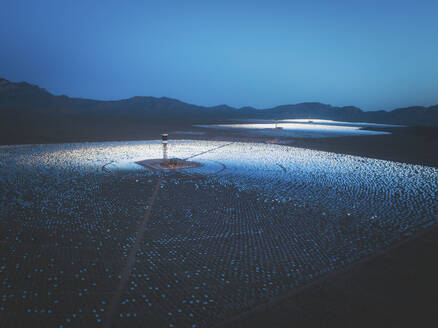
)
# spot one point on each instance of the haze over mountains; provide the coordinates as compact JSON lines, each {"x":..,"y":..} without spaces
{"x":27,"y":109}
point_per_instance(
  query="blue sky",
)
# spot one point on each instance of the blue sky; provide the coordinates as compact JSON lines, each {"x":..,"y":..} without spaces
{"x":371,"y":54}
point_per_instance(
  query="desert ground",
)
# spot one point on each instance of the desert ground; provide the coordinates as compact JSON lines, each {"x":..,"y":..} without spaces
{"x":269,"y":231}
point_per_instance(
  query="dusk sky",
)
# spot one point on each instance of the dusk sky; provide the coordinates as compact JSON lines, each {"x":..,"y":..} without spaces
{"x":371,"y":54}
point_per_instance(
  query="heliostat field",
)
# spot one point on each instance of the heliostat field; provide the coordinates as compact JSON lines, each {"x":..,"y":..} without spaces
{"x":88,"y":236}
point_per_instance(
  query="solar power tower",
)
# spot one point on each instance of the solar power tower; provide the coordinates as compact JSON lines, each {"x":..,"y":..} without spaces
{"x":164,"y":138}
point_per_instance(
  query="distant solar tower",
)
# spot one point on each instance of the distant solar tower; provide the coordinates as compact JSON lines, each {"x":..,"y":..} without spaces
{"x":164,"y":138}
{"x":276,"y":126}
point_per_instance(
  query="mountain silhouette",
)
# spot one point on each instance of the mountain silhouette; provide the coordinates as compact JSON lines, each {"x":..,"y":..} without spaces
{"x":29,"y":111}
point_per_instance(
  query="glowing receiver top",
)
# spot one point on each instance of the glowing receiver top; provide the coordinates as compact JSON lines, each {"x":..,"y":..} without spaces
{"x":164,"y":138}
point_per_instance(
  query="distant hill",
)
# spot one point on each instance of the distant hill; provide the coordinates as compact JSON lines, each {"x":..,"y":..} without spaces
{"x":411,"y":116}
{"x":30,"y":100}
{"x":28,"y":110}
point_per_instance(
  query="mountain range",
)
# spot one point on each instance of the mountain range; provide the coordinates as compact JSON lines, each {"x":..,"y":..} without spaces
{"x":29,"y":109}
